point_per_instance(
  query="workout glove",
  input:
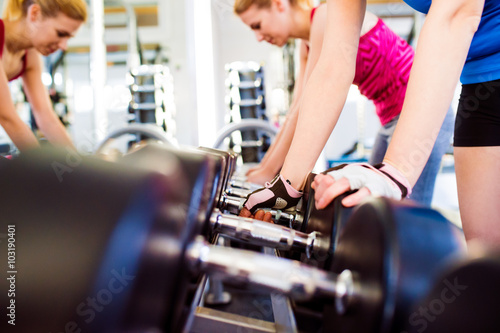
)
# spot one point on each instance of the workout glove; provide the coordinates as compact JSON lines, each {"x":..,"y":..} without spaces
{"x":278,"y":194}
{"x":381,"y":179}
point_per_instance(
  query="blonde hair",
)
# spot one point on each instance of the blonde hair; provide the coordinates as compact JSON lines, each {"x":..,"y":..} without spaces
{"x":16,"y":9}
{"x":241,"y":6}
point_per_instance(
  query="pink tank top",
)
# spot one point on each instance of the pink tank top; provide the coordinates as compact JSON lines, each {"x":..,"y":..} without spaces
{"x":2,"y":42}
{"x":383,"y":67}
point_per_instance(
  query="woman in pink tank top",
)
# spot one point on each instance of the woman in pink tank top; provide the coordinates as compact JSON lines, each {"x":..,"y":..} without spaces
{"x":383,"y":66}
{"x":29,"y":29}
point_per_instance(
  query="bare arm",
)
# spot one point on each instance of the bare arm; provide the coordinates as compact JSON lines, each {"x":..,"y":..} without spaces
{"x":16,"y":129}
{"x":279,"y":148}
{"x":275,"y":156}
{"x":37,"y":94}
{"x":326,"y":90}
{"x":441,"y":52}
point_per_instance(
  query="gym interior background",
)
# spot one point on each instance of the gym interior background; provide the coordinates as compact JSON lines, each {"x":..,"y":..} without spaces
{"x":191,"y":47}
{"x":195,"y":41}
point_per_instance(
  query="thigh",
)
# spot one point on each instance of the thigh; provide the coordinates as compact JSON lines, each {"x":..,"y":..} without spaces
{"x":478,"y":182}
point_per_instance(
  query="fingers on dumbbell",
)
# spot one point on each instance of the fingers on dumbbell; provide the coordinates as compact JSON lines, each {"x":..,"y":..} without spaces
{"x":263,"y":216}
{"x":356,"y":198}
{"x":324,"y":196}
{"x":245,"y":212}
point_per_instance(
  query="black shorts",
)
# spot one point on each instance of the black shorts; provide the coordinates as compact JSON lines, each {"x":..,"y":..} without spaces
{"x":478,"y":115}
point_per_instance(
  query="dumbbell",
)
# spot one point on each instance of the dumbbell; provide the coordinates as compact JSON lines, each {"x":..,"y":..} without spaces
{"x":118,"y":252}
{"x":380,"y":269}
{"x":463,"y":298}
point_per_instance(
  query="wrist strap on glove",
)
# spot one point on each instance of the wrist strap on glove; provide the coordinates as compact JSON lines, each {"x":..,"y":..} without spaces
{"x":396,"y":177}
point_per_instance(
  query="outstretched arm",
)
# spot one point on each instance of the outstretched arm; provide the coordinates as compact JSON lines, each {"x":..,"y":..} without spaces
{"x":331,"y":62}
{"x":275,"y":157}
{"x":37,"y":94}
{"x":441,"y":52}
{"x":16,"y":129}
{"x":326,"y":90}
{"x":440,"y":56}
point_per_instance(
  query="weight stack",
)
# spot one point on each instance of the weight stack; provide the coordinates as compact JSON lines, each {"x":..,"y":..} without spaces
{"x":246,"y":100}
{"x":151,"y":87}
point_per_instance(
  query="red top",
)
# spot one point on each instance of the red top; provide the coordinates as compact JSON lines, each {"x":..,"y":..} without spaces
{"x":383,"y":66}
{"x":2,"y":42}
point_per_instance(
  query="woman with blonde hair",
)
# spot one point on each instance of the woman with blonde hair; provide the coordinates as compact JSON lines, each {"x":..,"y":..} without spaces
{"x":383,"y":64}
{"x":29,"y":29}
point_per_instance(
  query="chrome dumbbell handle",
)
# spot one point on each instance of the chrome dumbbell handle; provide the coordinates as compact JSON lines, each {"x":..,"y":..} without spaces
{"x":268,"y":234}
{"x":291,"y":220}
{"x":237,"y":192}
{"x":231,"y":204}
{"x":238,"y":183}
{"x":234,"y":204}
{"x":289,"y":277}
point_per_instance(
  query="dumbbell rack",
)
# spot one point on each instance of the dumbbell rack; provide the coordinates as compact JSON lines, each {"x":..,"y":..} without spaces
{"x":152,"y":102}
{"x":205,"y":319}
{"x":246,"y":100}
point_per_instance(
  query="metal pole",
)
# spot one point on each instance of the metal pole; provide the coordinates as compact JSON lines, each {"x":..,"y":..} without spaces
{"x":133,"y":60}
{"x":98,"y":68}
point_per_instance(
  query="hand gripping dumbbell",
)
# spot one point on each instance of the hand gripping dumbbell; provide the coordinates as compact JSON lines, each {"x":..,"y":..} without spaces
{"x":305,"y":218}
{"x":321,"y":226}
{"x":120,"y":249}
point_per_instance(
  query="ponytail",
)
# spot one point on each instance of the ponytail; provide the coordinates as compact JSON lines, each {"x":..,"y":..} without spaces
{"x":13,"y":9}
{"x":16,"y":9}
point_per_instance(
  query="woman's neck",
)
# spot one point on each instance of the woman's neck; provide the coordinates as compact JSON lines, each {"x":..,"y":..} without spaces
{"x":301,"y":19}
{"x":16,"y":36}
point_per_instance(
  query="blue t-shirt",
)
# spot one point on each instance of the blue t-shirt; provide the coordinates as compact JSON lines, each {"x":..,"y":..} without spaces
{"x":483,"y":60}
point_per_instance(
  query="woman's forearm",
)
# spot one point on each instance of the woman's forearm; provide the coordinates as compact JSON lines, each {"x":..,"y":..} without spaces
{"x":54,"y":130}
{"x":326,"y":90}
{"x":20,"y":134}
{"x":273,"y":145}
{"x":441,"y":52}
{"x":277,"y":156}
